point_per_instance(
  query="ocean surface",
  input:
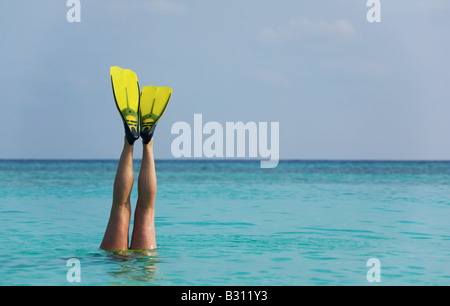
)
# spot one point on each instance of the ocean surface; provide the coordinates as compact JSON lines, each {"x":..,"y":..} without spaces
{"x":232,"y":223}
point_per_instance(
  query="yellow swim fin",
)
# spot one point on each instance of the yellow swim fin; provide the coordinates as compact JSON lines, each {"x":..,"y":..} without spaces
{"x":126,"y":94}
{"x":154,"y":101}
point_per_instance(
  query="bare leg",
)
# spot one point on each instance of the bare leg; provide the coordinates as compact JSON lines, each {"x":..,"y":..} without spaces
{"x":144,"y":225}
{"x":116,"y":234}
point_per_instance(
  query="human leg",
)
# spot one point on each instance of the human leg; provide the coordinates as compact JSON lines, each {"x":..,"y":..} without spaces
{"x":143,"y":237}
{"x":116,"y":234}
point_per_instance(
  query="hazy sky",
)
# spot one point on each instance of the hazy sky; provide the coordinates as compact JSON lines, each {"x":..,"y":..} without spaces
{"x":340,"y":87}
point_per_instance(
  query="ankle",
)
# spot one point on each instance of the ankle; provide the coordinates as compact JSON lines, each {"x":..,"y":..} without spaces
{"x":149,"y":144}
{"x":127,"y":144}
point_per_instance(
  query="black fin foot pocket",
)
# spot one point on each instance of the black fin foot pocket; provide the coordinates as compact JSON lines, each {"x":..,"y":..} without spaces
{"x":148,"y":134}
{"x":131,"y":136}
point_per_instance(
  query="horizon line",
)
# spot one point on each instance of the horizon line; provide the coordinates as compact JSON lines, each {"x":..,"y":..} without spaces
{"x":200,"y":159}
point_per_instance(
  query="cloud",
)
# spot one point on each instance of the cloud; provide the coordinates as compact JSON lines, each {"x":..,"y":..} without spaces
{"x":306,"y":28}
{"x":162,"y":7}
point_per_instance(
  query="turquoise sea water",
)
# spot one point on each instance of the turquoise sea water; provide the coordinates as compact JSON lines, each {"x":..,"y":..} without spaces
{"x":232,"y":223}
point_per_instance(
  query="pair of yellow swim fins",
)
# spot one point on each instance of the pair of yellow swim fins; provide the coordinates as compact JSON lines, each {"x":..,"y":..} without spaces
{"x":140,"y":110}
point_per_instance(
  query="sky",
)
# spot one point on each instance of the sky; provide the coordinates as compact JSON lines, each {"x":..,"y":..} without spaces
{"x":339,"y":86}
